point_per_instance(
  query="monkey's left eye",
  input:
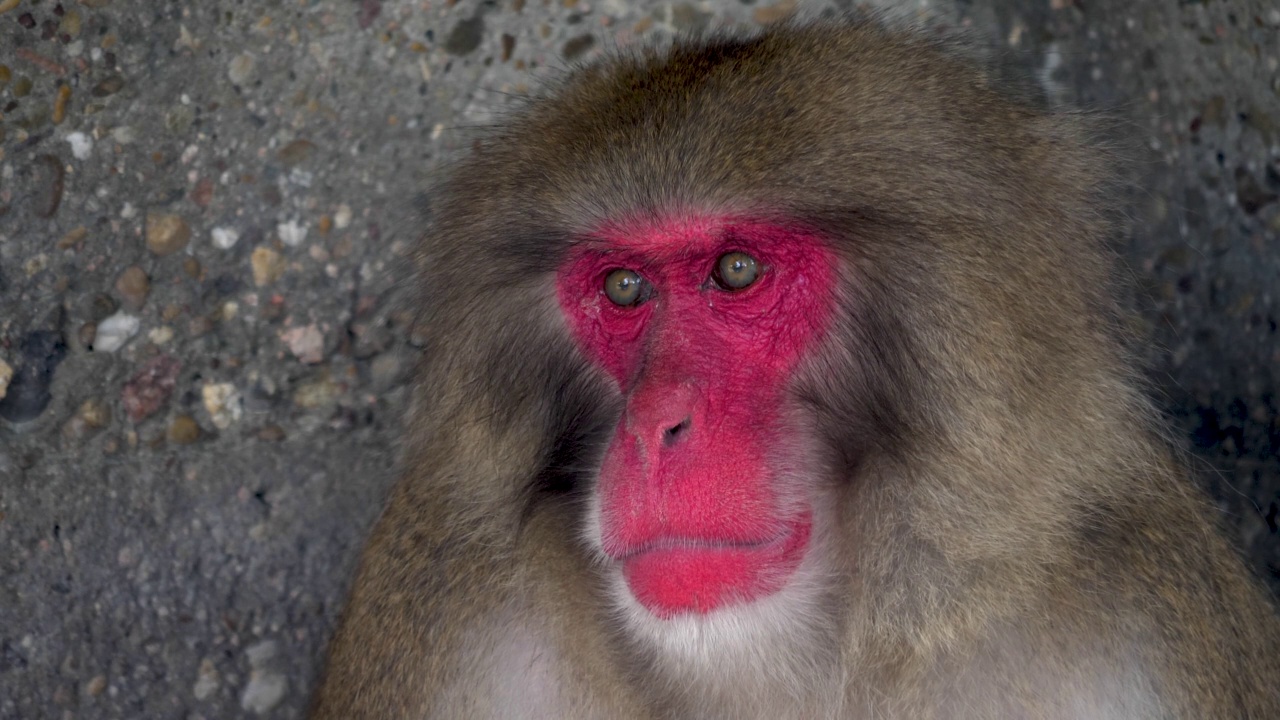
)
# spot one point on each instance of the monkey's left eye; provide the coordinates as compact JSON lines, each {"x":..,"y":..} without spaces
{"x":736,"y":270}
{"x":625,"y":287}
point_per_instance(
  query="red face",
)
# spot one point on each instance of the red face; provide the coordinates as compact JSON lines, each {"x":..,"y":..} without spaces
{"x":702,"y":323}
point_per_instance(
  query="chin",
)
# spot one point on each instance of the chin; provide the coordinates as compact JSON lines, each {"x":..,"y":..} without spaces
{"x":744,"y":634}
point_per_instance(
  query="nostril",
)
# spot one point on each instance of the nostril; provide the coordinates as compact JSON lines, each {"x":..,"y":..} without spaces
{"x":672,"y":434}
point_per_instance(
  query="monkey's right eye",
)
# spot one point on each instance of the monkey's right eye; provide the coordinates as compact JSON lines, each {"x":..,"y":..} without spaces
{"x":624,"y":287}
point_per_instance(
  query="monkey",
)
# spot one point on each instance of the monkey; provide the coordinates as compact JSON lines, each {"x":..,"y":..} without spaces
{"x":782,"y":375}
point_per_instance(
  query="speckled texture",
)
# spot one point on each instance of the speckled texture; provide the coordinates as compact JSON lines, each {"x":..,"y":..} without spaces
{"x":1199,"y":85}
{"x":203,"y":236}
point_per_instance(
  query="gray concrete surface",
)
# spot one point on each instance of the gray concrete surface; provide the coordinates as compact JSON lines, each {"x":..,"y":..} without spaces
{"x":201,"y":238}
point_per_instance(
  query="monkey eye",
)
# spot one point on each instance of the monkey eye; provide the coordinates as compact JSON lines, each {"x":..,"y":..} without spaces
{"x":736,"y":270}
{"x":625,"y":287}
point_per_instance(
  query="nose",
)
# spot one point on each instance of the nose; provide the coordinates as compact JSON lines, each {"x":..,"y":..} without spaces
{"x":663,"y":415}
{"x":676,"y":432}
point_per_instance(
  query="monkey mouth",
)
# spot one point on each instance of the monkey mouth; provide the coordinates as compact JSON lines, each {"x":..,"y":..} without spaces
{"x":672,"y":544}
{"x":673,"y":576}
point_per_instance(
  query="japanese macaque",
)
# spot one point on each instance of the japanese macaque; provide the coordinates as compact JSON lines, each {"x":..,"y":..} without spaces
{"x":780,"y":376}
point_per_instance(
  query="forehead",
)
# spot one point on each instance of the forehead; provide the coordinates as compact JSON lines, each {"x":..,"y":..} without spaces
{"x":663,"y":238}
{"x":693,"y":236}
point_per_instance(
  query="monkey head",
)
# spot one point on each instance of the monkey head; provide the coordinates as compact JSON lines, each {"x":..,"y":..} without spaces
{"x":735,"y":299}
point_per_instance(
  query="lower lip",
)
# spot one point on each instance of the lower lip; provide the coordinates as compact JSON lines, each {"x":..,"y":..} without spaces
{"x":697,"y":579}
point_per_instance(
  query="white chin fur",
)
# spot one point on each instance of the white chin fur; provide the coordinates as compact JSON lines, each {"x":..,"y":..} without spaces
{"x":783,"y":640}
{"x":762,"y":626}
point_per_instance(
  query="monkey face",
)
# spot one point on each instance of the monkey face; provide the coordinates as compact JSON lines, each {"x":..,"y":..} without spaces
{"x":701,"y":323}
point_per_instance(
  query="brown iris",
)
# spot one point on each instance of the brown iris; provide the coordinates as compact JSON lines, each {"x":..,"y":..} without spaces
{"x":736,"y":270}
{"x":624,"y":287}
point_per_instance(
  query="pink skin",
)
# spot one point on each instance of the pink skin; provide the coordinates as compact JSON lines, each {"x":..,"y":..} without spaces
{"x":697,"y":517}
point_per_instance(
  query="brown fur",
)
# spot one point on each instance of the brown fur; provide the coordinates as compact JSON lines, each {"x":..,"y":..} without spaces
{"x":1015,"y":538}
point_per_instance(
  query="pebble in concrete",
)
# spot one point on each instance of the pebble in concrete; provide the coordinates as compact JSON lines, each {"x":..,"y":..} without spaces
{"x":6,"y":374}
{"x":266,"y":686}
{"x":149,"y":389}
{"x":114,"y":331}
{"x":184,"y":430}
{"x":134,"y":285}
{"x":166,"y":233}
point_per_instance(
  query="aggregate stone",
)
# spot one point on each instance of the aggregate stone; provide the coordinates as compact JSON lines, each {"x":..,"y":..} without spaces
{"x":184,"y":430}
{"x":108,"y":86}
{"x":112,"y":332}
{"x":6,"y":374}
{"x":319,"y":393}
{"x":60,"y":104}
{"x":73,"y":237}
{"x":306,"y":343}
{"x":148,"y":390}
{"x":465,"y":36}
{"x":95,"y":413}
{"x":222,"y":402}
{"x":241,"y":68}
{"x":92,"y":415}
{"x":225,"y":238}
{"x":262,"y":653}
{"x":575,"y":48}
{"x":95,"y":686}
{"x":271,"y":433}
{"x":166,"y":233}
{"x":291,"y":233}
{"x":296,"y":152}
{"x":81,"y":143}
{"x":46,"y":179}
{"x":134,"y":285}
{"x":27,"y":394}
{"x":342,"y":216}
{"x":207,"y":681}
{"x":386,"y":371}
{"x":265,"y":690}
{"x":268,"y":266}
{"x":160,"y":335}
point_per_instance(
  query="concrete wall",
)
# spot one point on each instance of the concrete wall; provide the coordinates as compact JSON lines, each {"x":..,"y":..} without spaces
{"x":205,"y":210}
